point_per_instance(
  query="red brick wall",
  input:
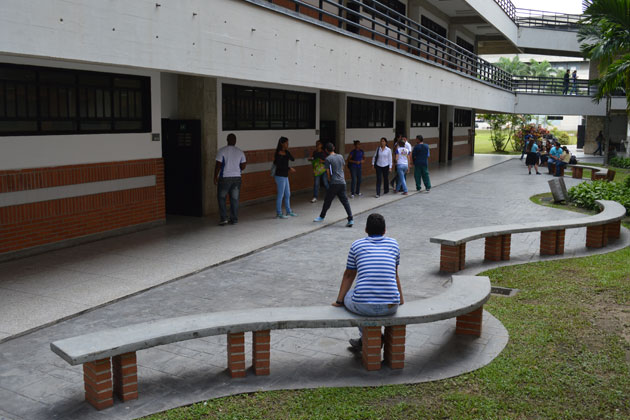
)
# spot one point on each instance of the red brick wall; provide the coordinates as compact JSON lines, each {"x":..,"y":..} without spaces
{"x":461,"y":149}
{"x":28,"y":225}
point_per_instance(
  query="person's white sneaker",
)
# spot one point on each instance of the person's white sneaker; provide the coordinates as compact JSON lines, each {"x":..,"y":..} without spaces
{"x":313,"y":200}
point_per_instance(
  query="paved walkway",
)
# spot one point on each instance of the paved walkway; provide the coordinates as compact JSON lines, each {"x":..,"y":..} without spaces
{"x":305,"y":270}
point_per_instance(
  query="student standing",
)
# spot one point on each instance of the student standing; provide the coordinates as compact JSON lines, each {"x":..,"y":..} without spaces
{"x":382,"y":162}
{"x":355,"y":163}
{"x":281,"y":160}
{"x":532,"y":157}
{"x":402,"y":166}
{"x":420,"y":156}
{"x":334,"y":165}
{"x":319,"y":170}
{"x":229,"y":165}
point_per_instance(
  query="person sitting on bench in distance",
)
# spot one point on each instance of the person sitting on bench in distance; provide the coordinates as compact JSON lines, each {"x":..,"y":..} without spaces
{"x":373,"y":261}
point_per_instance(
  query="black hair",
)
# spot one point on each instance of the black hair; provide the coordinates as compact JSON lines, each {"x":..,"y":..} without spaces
{"x":375,"y":225}
{"x":330,"y":147}
{"x":231,"y":138}
{"x":419,"y":137}
{"x":281,"y":140}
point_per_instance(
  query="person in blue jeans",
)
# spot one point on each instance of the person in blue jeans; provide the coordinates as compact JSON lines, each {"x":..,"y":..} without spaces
{"x":373,"y":261}
{"x":319,"y":170}
{"x":355,"y":161}
{"x":402,"y":166}
{"x":281,"y":160}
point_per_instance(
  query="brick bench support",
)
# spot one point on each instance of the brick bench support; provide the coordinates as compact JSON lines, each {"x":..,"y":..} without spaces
{"x":613,"y":230}
{"x":596,"y":236}
{"x":236,"y":355}
{"x":261,"y":350}
{"x":125,"y":372}
{"x":552,"y":242}
{"x":371,"y":348}
{"x":470,"y":323}
{"x":452,"y":258}
{"x":99,"y":390}
{"x":577,"y":172}
{"x":497,"y":248}
{"x":395,"y":346}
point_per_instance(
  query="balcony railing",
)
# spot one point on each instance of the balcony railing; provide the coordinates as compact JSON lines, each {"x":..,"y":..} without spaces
{"x":508,"y":7}
{"x":381,"y":24}
{"x":547,"y":20}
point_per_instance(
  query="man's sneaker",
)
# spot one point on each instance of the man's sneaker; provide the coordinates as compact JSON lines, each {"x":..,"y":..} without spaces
{"x":292,"y":214}
{"x":427,"y":190}
{"x":356,"y":344}
{"x":281,"y":216}
{"x":350,"y":223}
{"x":360,"y":194}
{"x":351,"y":195}
{"x":405,"y":193}
{"x":223,"y":222}
{"x":233,"y":221}
{"x":313,"y":200}
{"x":376,"y":196}
{"x":318,"y":219}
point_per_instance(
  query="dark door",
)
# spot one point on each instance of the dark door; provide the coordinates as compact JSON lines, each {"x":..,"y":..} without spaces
{"x":181,"y":149}
{"x":328,"y":132}
{"x":400,"y":128}
{"x":450,"y":141}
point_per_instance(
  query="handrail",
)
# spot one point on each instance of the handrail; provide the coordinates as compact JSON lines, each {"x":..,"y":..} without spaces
{"x":552,"y":86}
{"x":508,"y":7}
{"x":547,"y":20}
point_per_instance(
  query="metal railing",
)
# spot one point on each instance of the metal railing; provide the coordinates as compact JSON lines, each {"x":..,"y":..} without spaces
{"x":508,"y":7}
{"x":384,"y":25}
{"x":547,"y":20}
{"x":551,"y":86}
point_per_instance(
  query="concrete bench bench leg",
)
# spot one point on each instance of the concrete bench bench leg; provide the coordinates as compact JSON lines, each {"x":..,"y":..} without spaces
{"x":470,"y":323}
{"x":125,"y":372}
{"x":552,"y":242}
{"x":452,"y":258}
{"x":610,"y":176}
{"x":97,"y":376}
{"x":261,"y":350}
{"x":395,"y":346}
{"x":498,"y":248}
{"x":613,"y":230}
{"x":236,"y":354}
{"x":577,"y":172}
{"x":371,"y":348}
{"x":596,"y":236}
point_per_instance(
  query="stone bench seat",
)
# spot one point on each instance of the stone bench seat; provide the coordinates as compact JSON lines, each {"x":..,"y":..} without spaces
{"x":109,"y":356}
{"x":600,"y":227}
{"x":596,"y":172}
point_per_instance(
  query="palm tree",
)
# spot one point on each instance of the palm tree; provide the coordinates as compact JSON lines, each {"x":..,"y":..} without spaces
{"x":605,"y":38}
{"x":514,"y":66}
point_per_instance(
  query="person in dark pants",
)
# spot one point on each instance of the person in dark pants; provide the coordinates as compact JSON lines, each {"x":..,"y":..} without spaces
{"x":229,"y":164}
{"x":355,"y":163}
{"x":565,"y":85}
{"x":334,"y":165}
{"x":420,"y":156}
{"x":382,"y":162}
{"x":600,"y":141}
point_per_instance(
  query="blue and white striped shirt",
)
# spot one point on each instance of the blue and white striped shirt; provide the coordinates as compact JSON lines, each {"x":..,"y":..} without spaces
{"x":375,"y":258}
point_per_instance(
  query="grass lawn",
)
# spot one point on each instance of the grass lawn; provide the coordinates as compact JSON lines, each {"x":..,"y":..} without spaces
{"x":484,"y":145}
{"x":568,"y":358}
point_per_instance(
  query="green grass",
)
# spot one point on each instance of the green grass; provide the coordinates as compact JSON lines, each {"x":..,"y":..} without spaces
{"x":484,"y":145}
{"x":567,"y":358}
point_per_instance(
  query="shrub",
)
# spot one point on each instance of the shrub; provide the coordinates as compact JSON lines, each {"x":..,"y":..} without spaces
{"x":585,"y":194}
{"x":620,"y":162}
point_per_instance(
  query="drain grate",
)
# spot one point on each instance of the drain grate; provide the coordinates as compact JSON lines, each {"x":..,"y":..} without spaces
{"x":503,"y":291}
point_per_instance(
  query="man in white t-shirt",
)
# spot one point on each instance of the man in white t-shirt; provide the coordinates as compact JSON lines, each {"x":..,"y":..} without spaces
{"x":227,"y":176}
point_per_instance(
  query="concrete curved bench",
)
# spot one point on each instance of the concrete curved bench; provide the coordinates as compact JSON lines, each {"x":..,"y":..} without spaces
{"x":596,"y":172}
{"x":109,"y":356}
{"x":599,"y":228}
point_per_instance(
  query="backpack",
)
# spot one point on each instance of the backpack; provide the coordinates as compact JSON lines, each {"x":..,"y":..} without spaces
{"x":573,"y":160}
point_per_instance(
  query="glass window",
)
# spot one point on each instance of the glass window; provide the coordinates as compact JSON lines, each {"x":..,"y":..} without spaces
{"x":369,"y":113}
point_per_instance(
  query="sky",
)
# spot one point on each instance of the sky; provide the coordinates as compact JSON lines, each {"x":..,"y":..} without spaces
{"x":560,"y":6}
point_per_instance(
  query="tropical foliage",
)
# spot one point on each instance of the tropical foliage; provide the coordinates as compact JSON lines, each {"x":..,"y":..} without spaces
{"x":620,"y":162}
{"x":503,"y":128}
{"x":585,"y":194}
{"x":605,"y":38}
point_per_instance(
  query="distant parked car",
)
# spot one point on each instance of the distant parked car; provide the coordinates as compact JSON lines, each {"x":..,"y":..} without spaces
{"x":482,"y":125}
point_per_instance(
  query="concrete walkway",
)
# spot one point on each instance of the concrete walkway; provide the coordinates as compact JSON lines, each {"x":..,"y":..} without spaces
{"x":43,"y":289}
{"x":305,"y":270}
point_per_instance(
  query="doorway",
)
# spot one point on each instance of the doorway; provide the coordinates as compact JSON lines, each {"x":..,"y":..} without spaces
{"x":181,"y":150}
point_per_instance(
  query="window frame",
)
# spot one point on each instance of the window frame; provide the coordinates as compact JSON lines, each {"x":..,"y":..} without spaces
{"x":424,"y":116}
{"x":369,"y":113}
{"x":46,"y":88}
{"x":462,"y":118}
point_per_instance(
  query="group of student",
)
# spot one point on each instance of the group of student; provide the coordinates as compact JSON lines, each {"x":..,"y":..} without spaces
{"x":551,"y":153}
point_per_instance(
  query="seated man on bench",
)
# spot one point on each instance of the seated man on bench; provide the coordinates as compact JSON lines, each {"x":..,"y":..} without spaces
{"x":373,"y":261}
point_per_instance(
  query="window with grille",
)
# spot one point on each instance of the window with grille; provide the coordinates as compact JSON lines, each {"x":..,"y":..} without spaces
{"x":463,"y":117}
{"x":424,"y":115}
{"x":254,"y":108}
{"x":369,"y":113}
{"x":43,"y":101}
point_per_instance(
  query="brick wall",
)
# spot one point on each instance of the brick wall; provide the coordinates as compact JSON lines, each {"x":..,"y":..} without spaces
{"x":34,"y":224}
{"x":461,"y":149}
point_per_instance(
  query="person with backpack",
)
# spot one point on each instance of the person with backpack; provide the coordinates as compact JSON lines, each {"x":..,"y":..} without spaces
{"x":355,"y":163}
{"x":319,"y":170}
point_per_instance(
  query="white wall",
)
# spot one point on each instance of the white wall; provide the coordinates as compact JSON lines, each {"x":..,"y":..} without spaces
{"x":265,"y":139}
{"x":493,"y":13}
{"x":546,"y":39}
{"x":233,"y":39}
{"x":169,"y":94}
{"x":558,"y":105}
{"x":19,"y":152}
